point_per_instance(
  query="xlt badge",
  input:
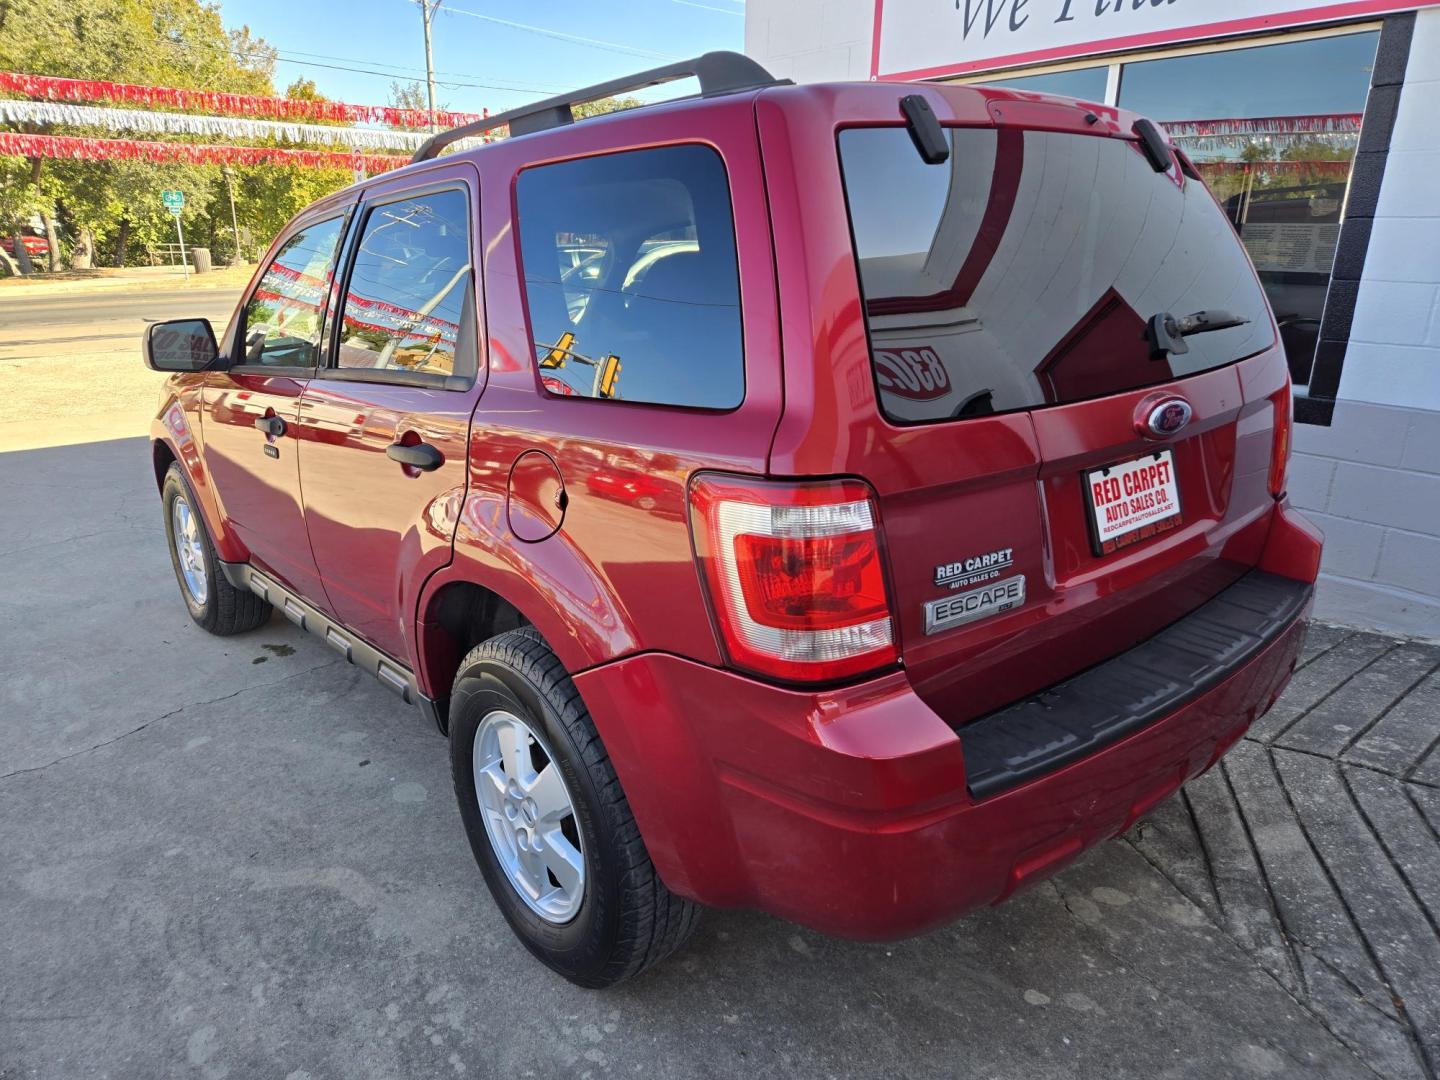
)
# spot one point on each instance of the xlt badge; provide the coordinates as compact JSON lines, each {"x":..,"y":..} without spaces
{"x":960,"y":608}
{"x":975,"y":569}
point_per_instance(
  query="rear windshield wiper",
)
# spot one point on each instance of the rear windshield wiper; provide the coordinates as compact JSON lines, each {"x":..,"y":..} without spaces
{"x":1167,"y":334}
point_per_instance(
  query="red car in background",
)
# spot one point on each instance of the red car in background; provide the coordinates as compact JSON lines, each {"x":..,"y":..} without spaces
{"x":890,"y":507}
{"x":36,"y":247}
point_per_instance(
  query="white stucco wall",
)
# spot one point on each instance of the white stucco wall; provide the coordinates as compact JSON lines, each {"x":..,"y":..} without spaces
{"x":811,"y":40}
{"x":1394,"y":353}
{"x":1371,"y":479}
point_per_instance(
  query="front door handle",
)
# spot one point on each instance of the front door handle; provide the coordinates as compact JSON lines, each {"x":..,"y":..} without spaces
{"x":271,"y":425}
{"x":421,"y":456}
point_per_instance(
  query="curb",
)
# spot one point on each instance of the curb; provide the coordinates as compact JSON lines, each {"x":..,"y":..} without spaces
{"x":51,"y":288}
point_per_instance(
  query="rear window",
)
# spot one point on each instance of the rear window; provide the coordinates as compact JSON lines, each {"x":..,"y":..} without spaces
{"x":1022,"y":271}
{"x":631,"y":277}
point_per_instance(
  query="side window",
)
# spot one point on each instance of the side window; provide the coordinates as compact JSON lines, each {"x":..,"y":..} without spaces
{"x":282,"y":316}
{"x":631,"y":278}
{"x":409,"y":306}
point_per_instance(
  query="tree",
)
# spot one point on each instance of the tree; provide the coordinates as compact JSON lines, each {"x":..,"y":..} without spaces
{"x":587,"y":109}
{"x":412,"y":95}
{"x":179,"y":43}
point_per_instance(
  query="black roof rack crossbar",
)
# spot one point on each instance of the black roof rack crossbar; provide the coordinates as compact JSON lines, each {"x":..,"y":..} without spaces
{"x":717,"y":72}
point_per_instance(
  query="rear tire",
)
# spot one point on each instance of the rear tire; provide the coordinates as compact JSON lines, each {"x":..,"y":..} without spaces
{"x":618,"y":918}
{"x":214,"y":604}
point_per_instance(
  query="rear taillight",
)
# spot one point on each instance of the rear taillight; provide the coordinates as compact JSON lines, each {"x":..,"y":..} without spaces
{"x":1280,"y":448}
{"x":794,"y":575}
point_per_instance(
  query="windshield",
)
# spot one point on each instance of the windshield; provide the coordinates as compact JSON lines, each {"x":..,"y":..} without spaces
{"x":1023,"y":271}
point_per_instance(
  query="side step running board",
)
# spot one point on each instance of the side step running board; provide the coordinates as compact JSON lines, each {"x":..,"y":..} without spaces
{"x":391,"y":673}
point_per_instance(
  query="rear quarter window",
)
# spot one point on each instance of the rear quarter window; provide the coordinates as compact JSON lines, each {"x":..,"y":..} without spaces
{"x":1022,"y":272}
{"x":631,"y":280}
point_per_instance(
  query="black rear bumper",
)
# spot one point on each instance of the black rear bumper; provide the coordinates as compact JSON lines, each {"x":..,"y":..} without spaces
{"x":1111,"y":700}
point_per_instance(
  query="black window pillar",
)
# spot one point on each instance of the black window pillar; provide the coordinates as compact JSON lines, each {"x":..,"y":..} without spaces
{"x":1391,"y":57}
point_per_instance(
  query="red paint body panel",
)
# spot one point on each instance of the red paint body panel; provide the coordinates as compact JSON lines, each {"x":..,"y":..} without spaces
{"x":380,"y":528}
{"x":260,"y":495}
{"x":953,"y":490}
{"x":843,"y":808}
{"x":178,"y":433}
{"x":845,"y":811}
{"x":620,"y":576}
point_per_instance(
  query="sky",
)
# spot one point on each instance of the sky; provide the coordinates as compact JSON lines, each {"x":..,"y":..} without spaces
{"x":488,"y":53}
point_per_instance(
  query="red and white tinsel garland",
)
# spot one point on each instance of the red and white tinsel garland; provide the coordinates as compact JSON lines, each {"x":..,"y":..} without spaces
{"x":51,"y":88}
{"x":79,"y":149}
{"x":1335,"y":170}
{"x":1276,"y":131}
{"x":210,"y":127}
{"x":1322,"y":124}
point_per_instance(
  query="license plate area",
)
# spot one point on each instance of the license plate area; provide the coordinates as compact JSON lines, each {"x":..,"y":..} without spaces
{"x":1131,"y":501}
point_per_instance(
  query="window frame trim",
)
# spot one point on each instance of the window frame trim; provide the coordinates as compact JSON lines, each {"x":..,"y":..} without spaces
{"x":328,"y":369}
{"x":519,"y":254}
{"x":345,"y":216}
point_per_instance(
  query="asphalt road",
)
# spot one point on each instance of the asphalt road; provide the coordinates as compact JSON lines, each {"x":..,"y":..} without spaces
{"x":240,"y":858}
{"x":70,"y":361}
{"x":81,"y":317}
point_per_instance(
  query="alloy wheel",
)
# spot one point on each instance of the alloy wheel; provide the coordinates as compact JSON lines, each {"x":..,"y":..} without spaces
{"x":529,"y":816}
{"x":189,"y":549}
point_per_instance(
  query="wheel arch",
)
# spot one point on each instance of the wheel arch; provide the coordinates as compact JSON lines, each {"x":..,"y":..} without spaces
{"x":162,"y":457}
{"x":454,"y":618}
{"x":473,"y":599}
{"x":173,"y":443}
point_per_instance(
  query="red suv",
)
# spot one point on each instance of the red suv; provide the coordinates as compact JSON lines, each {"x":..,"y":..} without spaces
{"x":847,"y":501}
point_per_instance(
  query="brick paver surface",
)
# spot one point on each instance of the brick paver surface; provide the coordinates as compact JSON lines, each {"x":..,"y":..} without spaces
{"x":1315,"y":844}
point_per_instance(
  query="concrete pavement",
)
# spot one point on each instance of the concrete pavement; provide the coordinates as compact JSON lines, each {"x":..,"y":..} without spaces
{"x":240,"y":858}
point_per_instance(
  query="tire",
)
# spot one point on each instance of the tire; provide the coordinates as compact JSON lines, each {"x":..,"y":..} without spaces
{"x":215,"y":604}
{"x":625,"y":919}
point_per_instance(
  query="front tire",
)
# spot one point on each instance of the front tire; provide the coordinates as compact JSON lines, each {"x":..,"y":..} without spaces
{"x":548,"y":822}
{"x":214,"y":604}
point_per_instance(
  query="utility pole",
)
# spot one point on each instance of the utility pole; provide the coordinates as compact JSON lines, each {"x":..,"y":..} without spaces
{"x":427,"y":12}
{"x":234,"y":223}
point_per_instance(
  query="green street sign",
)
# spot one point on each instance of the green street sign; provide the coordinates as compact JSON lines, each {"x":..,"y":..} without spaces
{"x":174,"y":201}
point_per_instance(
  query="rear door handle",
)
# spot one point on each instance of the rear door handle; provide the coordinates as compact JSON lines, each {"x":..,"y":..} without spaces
{"x":421,"y":456}
{"x":271,"y":425}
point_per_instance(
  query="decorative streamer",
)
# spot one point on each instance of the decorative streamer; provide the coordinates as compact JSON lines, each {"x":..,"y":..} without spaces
{"x":81,"y":149}
{"x":317,"y":285}
{"x":1278,"y":132}
{"x":1323,"y":124}
{"x":213,"y":127}
{"x":52,"y":88}
{"x":1338,"y":170}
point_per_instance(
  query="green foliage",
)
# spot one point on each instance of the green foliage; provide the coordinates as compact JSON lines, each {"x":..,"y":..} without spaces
{"x":411,"y":96}
{"x":175,"y":43}
{"x":604,"y":105}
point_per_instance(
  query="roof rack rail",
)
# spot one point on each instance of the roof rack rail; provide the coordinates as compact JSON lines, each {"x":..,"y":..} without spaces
{"x":717,"y":72}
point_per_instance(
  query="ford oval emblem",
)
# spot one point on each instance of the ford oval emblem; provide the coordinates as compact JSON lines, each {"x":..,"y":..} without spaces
{"x":1168,"y":417}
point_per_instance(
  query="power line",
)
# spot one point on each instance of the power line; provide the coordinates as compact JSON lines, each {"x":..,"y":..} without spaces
{"x":283,"y":59}
{"x":709,"y":7}
{"x":400,"y":69}
{"x":576,"y":39}
{"x":446,"y":84}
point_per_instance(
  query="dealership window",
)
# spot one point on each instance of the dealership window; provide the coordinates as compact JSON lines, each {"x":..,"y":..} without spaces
{"x":1273,"y":130}
{"x":1088,"y":84}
